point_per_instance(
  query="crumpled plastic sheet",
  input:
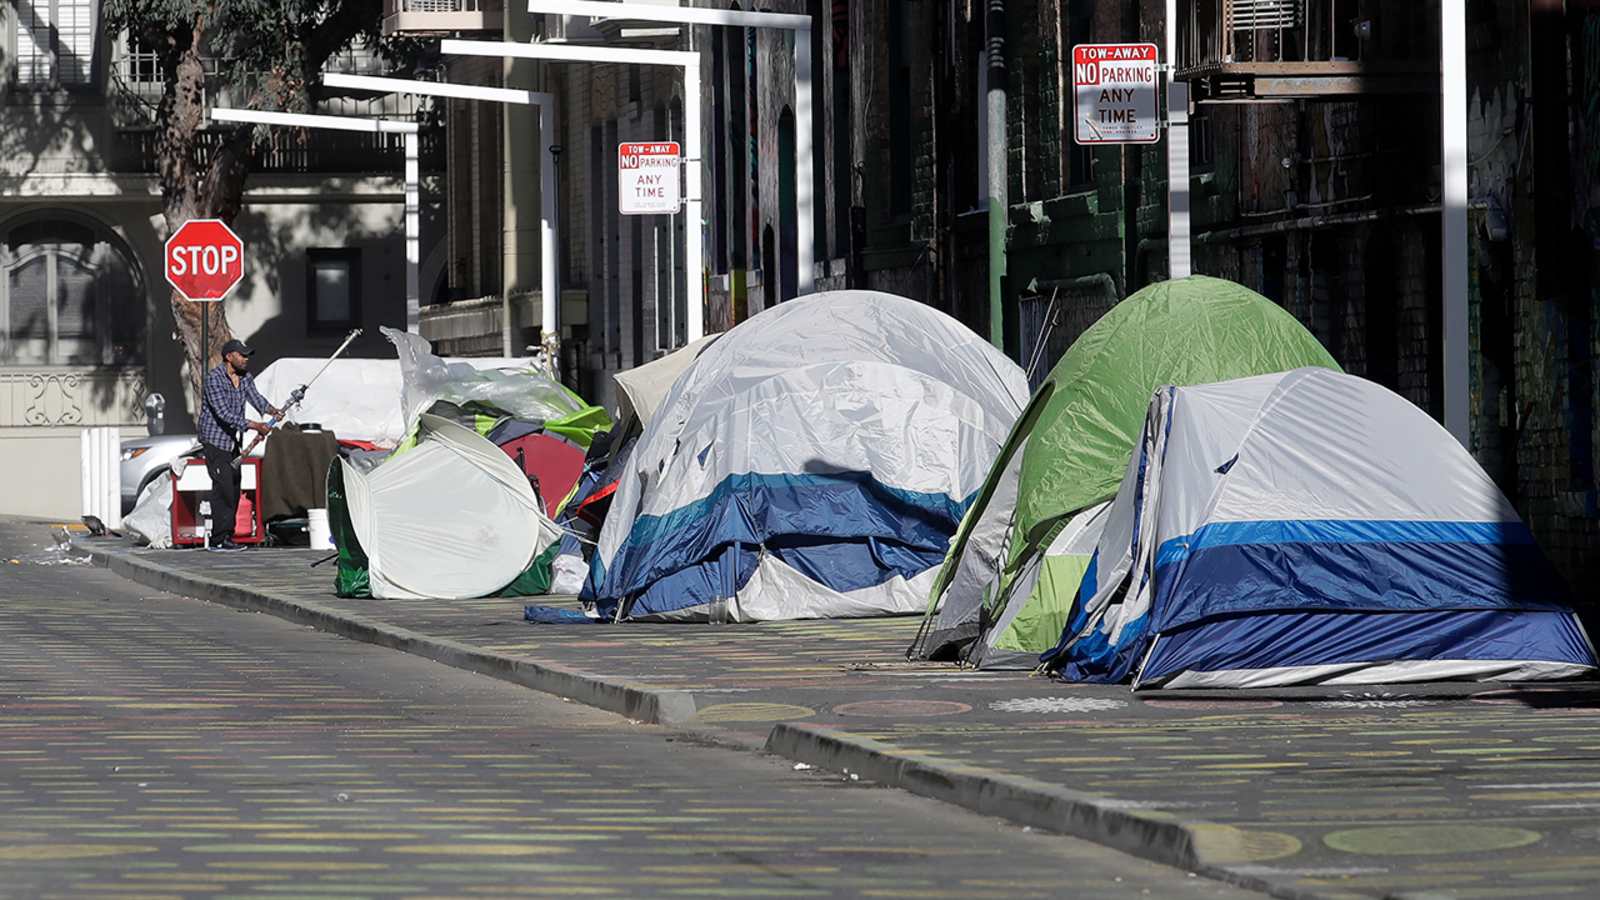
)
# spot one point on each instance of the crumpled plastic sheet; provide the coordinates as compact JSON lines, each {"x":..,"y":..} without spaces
{"x":428,"y":379}
{"x":60,"y":555}
{"x":151,"y":517}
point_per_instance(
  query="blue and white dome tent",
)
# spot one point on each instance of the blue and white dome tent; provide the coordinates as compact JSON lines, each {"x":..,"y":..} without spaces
{"x":812,"y":463}
{"x":1311,"y":527}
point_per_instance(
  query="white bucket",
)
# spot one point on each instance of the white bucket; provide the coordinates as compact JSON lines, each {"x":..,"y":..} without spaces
{"x":317,"y":528}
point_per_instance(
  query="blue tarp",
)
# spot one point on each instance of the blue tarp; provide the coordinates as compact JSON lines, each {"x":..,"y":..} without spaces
{"x":1192,"y":587}
{"x":813,"y":462}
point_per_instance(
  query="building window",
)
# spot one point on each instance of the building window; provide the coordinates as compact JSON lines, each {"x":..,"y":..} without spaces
{"x":1202,"y":146}
{"x":67,"y":297}
{"x":333,"y":290}
{"x":55,"y":44}
{"x":136,"y":68}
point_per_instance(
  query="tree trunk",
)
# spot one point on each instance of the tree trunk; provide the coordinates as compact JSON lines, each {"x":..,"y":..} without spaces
{"x":190,"y":192}
{"x":273,"y":52}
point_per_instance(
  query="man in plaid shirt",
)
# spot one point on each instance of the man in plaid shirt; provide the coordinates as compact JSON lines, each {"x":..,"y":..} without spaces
{"x":222,"y":420}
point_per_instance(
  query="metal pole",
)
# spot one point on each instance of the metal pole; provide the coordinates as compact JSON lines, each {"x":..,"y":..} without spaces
{"x":549,"y":282}
{"x":413,"y":238}
{"x":694,"y":234}
{"x":1453,"y":135}
{"x":555,"y":251}
{"x":205,"y":356}
{"x":995,"y":26}
{"x":1179,"y":261}
{"x":295,"y":396}
{"x":804,"y":188}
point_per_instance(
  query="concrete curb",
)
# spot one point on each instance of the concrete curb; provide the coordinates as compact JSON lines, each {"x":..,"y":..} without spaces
{"x":1159,"y":838}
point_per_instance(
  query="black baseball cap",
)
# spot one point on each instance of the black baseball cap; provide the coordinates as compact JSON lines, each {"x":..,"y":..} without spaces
{"x":237,"y":346}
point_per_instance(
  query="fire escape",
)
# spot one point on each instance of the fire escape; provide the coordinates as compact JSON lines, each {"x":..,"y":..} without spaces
{"x":1244,"y":50}
{"x":1325,"y":114}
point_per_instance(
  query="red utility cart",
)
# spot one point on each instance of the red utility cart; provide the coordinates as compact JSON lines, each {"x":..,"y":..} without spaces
{"x":193,"y":487}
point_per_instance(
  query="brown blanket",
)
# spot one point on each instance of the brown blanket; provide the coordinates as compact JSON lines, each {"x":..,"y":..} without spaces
{"x":294,"y":473}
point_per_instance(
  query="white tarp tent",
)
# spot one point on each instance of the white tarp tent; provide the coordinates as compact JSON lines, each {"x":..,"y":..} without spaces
{"x":452,"y":517}
{"x":641,"y":389}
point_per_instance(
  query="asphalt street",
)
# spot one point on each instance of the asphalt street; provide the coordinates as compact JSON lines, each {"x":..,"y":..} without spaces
{"x":1470,"y":791}
{"x":158,"y":746}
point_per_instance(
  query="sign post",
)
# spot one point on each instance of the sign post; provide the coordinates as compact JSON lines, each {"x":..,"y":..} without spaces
{"x":1116,"y":100}
{"x":204,"y":259}
{"x":648,"y":178}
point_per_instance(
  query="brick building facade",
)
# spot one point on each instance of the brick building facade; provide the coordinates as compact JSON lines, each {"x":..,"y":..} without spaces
{"x":1321,"y":190}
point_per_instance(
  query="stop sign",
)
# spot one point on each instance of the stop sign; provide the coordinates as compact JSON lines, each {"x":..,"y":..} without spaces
{"x":204,"y":259}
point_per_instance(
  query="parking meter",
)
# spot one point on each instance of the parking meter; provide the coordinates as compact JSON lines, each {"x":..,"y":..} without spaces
{"x":154,"y":421}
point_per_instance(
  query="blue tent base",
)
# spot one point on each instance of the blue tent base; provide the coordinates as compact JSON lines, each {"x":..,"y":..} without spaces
{"x":1273,"y":649}
{"x":836,"y":563}
{"x":843,"y":530}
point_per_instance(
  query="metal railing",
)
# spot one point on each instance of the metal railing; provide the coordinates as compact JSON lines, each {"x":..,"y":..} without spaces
{"x":137,"y":85}
{"x":442,"y":6}
{"x":322,"y":152}
{"x":451,"y":15}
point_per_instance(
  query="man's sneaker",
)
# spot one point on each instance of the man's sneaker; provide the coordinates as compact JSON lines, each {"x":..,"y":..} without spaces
{"x":226,"y":546}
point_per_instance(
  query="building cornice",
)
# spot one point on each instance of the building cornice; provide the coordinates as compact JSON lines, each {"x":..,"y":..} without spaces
{"x":75,"y":185}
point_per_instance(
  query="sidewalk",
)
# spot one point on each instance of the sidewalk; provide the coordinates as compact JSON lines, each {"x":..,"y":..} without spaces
{"x":1430,"y":791}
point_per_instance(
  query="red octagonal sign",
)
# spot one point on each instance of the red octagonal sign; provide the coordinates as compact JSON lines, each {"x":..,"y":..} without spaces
{"x":204,"y":259}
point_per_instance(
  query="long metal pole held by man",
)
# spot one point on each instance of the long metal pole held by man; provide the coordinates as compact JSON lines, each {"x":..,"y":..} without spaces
{"x":295,"y":396}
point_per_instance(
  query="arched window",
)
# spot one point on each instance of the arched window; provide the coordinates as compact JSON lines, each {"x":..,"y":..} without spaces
{"x":67,"y":297}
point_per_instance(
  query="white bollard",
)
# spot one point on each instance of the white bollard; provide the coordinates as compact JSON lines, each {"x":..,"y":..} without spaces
{"x":101,"y":452}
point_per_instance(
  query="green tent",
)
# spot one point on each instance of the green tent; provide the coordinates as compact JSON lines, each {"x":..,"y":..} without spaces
{"x":1014,"y":566}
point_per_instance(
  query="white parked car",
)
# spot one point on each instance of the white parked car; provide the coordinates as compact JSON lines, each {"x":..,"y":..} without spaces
{"x":147,"y":458}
